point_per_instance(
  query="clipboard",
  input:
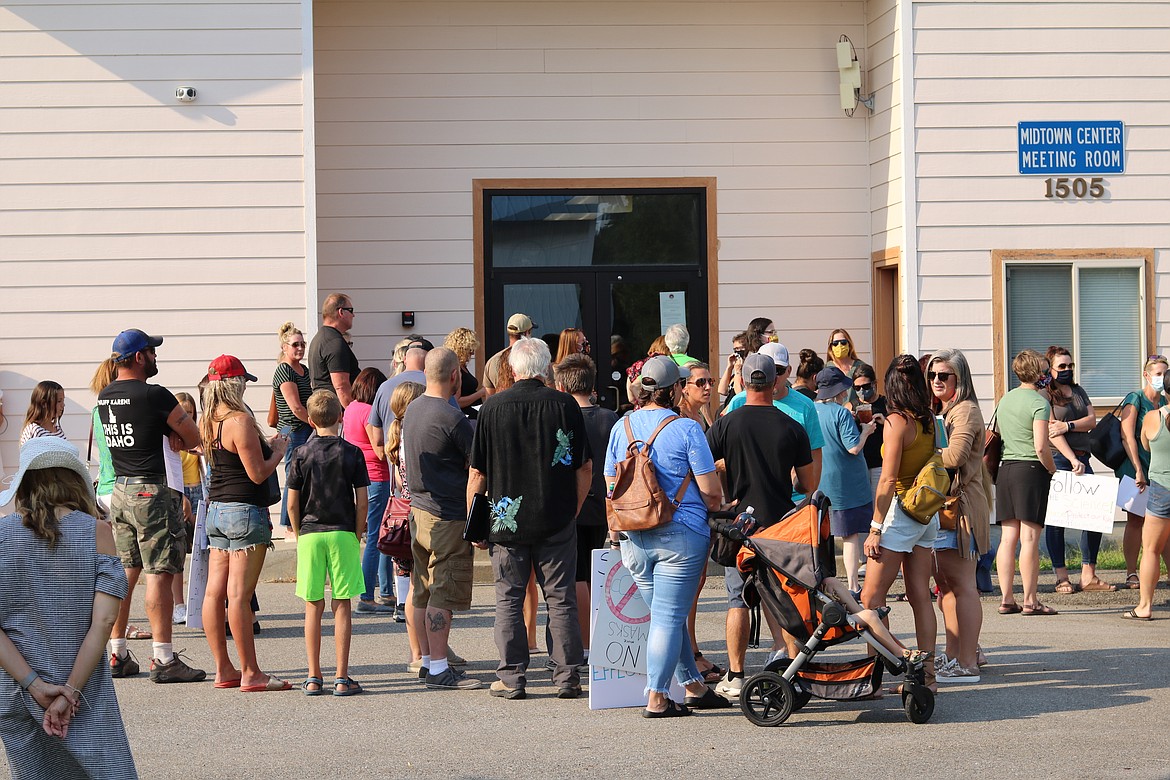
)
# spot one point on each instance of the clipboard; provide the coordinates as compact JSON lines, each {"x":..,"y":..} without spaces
{"x":479,"y":521}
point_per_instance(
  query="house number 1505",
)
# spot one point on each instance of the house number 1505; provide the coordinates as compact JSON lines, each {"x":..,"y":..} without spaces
{"x":1076,"y":188}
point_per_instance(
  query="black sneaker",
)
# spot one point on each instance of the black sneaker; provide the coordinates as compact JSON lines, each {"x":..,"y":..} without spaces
{"x":124,"y":667}
{"x":175,"y":672}
{"x":423,"y":673}
{"x":400,"y":613}
{"x":569,"y":692}
{"x":453,"y":680}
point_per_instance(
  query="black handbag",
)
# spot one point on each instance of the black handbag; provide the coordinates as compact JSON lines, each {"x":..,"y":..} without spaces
{"x":1105,"y":439}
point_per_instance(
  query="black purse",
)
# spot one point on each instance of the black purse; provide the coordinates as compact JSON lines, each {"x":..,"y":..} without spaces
{"x":1105,"y":440}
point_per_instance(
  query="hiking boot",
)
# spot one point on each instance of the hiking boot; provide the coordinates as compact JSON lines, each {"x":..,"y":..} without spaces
{"x":124,"y":667}
{"x":175,"y":672}
{"x":452,"y":680}
{"x":729,"y":686}
{"x":504,"y":692}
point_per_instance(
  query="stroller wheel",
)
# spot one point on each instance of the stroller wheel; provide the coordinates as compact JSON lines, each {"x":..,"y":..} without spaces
{"x":918,"y":700}
{"x":767,"y":699}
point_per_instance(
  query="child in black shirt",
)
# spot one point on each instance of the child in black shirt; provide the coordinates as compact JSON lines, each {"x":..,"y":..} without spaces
{"x":327,"y":503}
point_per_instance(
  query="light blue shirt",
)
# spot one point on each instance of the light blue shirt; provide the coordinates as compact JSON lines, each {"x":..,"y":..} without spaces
{"x":679,"y":448}
{"x":844,"y":476}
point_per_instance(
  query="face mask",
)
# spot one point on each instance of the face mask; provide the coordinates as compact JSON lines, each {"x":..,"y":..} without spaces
{"x":841,"y":352}
{"x":1043,"y":381}
{"x":866,"y":393}
{"x":1064,"y":377}
{"x":1158,"y":383}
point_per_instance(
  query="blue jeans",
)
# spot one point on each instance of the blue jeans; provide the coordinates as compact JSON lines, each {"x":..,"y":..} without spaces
{"x":666,"y":564}
{"x":377,"y":568}
{"x":1054,"y":534}
{"x":298,"y":437}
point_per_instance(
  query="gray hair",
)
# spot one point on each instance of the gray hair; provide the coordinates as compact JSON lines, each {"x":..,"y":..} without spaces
{"x":529,"y":359}
{"x":964,"y":388}
{"x":678,"y":338}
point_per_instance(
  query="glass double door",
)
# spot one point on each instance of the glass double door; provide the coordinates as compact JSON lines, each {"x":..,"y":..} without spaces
{"x":620,"y":312}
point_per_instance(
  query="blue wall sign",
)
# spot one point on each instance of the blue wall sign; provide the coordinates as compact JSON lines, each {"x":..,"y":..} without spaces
{"x":1071,"y":148}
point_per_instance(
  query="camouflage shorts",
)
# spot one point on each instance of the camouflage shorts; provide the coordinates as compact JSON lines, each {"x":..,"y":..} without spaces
{"x":148,"y":527}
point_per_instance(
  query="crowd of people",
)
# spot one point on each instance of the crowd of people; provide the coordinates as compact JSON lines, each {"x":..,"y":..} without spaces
{"x":359,"y":447}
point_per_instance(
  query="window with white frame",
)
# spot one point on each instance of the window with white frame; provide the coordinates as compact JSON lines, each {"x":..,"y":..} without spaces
{"x":1094,"y":307}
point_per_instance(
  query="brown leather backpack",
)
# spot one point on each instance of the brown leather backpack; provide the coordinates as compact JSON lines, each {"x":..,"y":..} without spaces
{"x":637,"y":500}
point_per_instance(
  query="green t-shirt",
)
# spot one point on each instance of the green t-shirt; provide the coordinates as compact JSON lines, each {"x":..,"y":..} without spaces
{"x":1015,"y":415}
{"x":105,"y":485}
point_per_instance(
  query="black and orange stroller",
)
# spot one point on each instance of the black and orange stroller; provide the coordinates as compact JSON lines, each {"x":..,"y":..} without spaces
{"x":784,"y":566}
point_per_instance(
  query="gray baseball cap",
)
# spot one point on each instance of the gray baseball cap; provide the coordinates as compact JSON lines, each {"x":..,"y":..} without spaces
{"x":778,"y":353}
{"x":660,"y":372}
{"x":759,"y":369}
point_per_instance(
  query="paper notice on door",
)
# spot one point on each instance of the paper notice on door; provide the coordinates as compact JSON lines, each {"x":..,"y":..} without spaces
{"x":672,"y":309}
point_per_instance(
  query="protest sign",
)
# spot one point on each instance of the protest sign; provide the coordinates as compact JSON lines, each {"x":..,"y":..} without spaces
{"x":1130,"y":498}
{"x":197,"y":575}
{"x":1086,"y":502}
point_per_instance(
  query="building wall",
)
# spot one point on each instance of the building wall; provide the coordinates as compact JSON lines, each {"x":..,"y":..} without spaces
{"x":883,"y":66}
{"x":980,"y":68}
{"x":415,"y":100}
{"x":122,"y":207}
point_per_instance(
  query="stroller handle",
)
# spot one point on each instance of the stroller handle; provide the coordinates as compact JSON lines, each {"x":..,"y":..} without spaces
{"x":728,"y":528}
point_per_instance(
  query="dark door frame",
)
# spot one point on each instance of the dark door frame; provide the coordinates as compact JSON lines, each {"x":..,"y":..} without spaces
{"x":707,"y":183}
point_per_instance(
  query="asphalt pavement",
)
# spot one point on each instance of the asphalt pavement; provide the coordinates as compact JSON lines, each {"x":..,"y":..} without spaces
{"x":1083,"y":694}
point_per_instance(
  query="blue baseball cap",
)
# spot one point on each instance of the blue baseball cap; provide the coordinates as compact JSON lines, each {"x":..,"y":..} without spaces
{"x":131,"y":342}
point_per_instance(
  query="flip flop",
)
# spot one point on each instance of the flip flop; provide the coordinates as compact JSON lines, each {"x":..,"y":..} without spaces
{"x":273,"y":684}
{"x":351,"y":687}
{"x":313,"y":681}
{"x":1040,"y":609}
{"x":1130,"y":614}
{"x":1010,"y":609}
{"x":673,"y":710}
{"x":134,"y":632}
{"x":228,"y":683}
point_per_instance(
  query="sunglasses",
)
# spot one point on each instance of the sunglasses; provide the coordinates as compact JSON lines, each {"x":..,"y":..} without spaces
{"x":1064,"y":367}
{"x":863,"y":387}
{"x":346,"y":308}
{"x":741,"y":353}
{"x":942,"y":376}
{"x":704,"y":382}
{"x":295,"y":344}
{"x":1155,"y":357}
{"x":839,"y":343}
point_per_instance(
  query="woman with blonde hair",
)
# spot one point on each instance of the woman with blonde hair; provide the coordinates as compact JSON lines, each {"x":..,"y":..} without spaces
{"x":957,"y":549}
{"x":45,"y":407}
{"x":238,"y":529}
{"x":842,"y":353}
{"x":292,"y":387}
{"x":59,"y":598}
{"x":399,"y":400}
{"x":1021,"y":490}
{"x":463,"y":342}
{"x":1134,"y":409}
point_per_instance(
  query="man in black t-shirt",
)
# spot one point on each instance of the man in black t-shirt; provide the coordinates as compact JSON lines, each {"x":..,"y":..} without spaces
{"x":576,"y":375}
{"x":759,"y":446}
{"x":531,"y":458}
{"x":136,"y":419}
{"x":332,"y":364}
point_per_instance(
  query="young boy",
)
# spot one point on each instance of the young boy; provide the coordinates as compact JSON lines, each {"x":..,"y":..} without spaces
{"x":327,"y":500}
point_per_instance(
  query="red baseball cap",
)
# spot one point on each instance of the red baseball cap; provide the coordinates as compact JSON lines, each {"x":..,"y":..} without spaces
{"x":226,"y":367}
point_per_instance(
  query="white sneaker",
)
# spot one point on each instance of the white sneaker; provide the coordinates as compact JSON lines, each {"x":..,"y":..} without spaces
{"x":781,"y":654}
{"x":952,"y":672}
{"x":179,"y":616}
{"x":729,"y":688}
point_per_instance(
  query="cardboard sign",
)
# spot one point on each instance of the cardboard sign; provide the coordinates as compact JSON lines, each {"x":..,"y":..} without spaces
{"x":1086,"y":502}
{"x":197,"y":572}
{"x":622,"y":619}
{"x":608,"y":687}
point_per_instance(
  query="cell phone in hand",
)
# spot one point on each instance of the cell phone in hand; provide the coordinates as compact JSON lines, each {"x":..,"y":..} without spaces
{"x":285,"y":431}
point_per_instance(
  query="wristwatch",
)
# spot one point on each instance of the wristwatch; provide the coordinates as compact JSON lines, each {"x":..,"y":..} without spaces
{"x":1071,"y":425}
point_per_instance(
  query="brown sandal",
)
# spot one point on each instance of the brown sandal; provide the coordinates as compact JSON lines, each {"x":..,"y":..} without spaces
{"x":1098,"y":586}
{"x":1066,"y":587}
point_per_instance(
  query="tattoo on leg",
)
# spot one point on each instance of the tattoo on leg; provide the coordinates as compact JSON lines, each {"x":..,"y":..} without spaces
{"x":436,"y":620}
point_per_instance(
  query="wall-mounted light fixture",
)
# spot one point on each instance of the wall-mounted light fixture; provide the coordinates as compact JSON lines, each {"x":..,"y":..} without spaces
{"x":850,"y":71}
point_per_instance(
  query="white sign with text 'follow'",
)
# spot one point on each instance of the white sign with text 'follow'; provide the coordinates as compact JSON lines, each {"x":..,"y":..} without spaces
{"x":1086,"y":502}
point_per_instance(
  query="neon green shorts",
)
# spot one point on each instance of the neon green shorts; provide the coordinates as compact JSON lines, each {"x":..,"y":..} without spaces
{"x":332,"y":553}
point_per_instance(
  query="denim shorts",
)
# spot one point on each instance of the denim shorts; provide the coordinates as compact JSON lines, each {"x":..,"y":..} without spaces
{"x":902,"y":533}
{"x":1158,"y":502}
{"x":949,"y":540}
{"x":233,"y":526}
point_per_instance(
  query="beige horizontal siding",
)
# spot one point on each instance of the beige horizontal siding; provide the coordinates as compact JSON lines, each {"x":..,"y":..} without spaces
{"x":883,"y":80}
{"x":121,"y":207}
{"x":415,"y":100}
{"x":981,"y":67}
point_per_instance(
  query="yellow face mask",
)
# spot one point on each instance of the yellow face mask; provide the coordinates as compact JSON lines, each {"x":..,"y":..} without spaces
{"x":841,"y":352}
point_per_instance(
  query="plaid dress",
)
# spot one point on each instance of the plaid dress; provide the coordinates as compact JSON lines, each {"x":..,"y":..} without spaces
{"x":46,"y":606}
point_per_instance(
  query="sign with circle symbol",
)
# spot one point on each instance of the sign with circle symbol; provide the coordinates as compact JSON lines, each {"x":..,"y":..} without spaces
{"x":622,"y":597}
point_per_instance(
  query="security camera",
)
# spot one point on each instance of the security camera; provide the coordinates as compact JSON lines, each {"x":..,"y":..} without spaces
{"x":185,"y":94}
